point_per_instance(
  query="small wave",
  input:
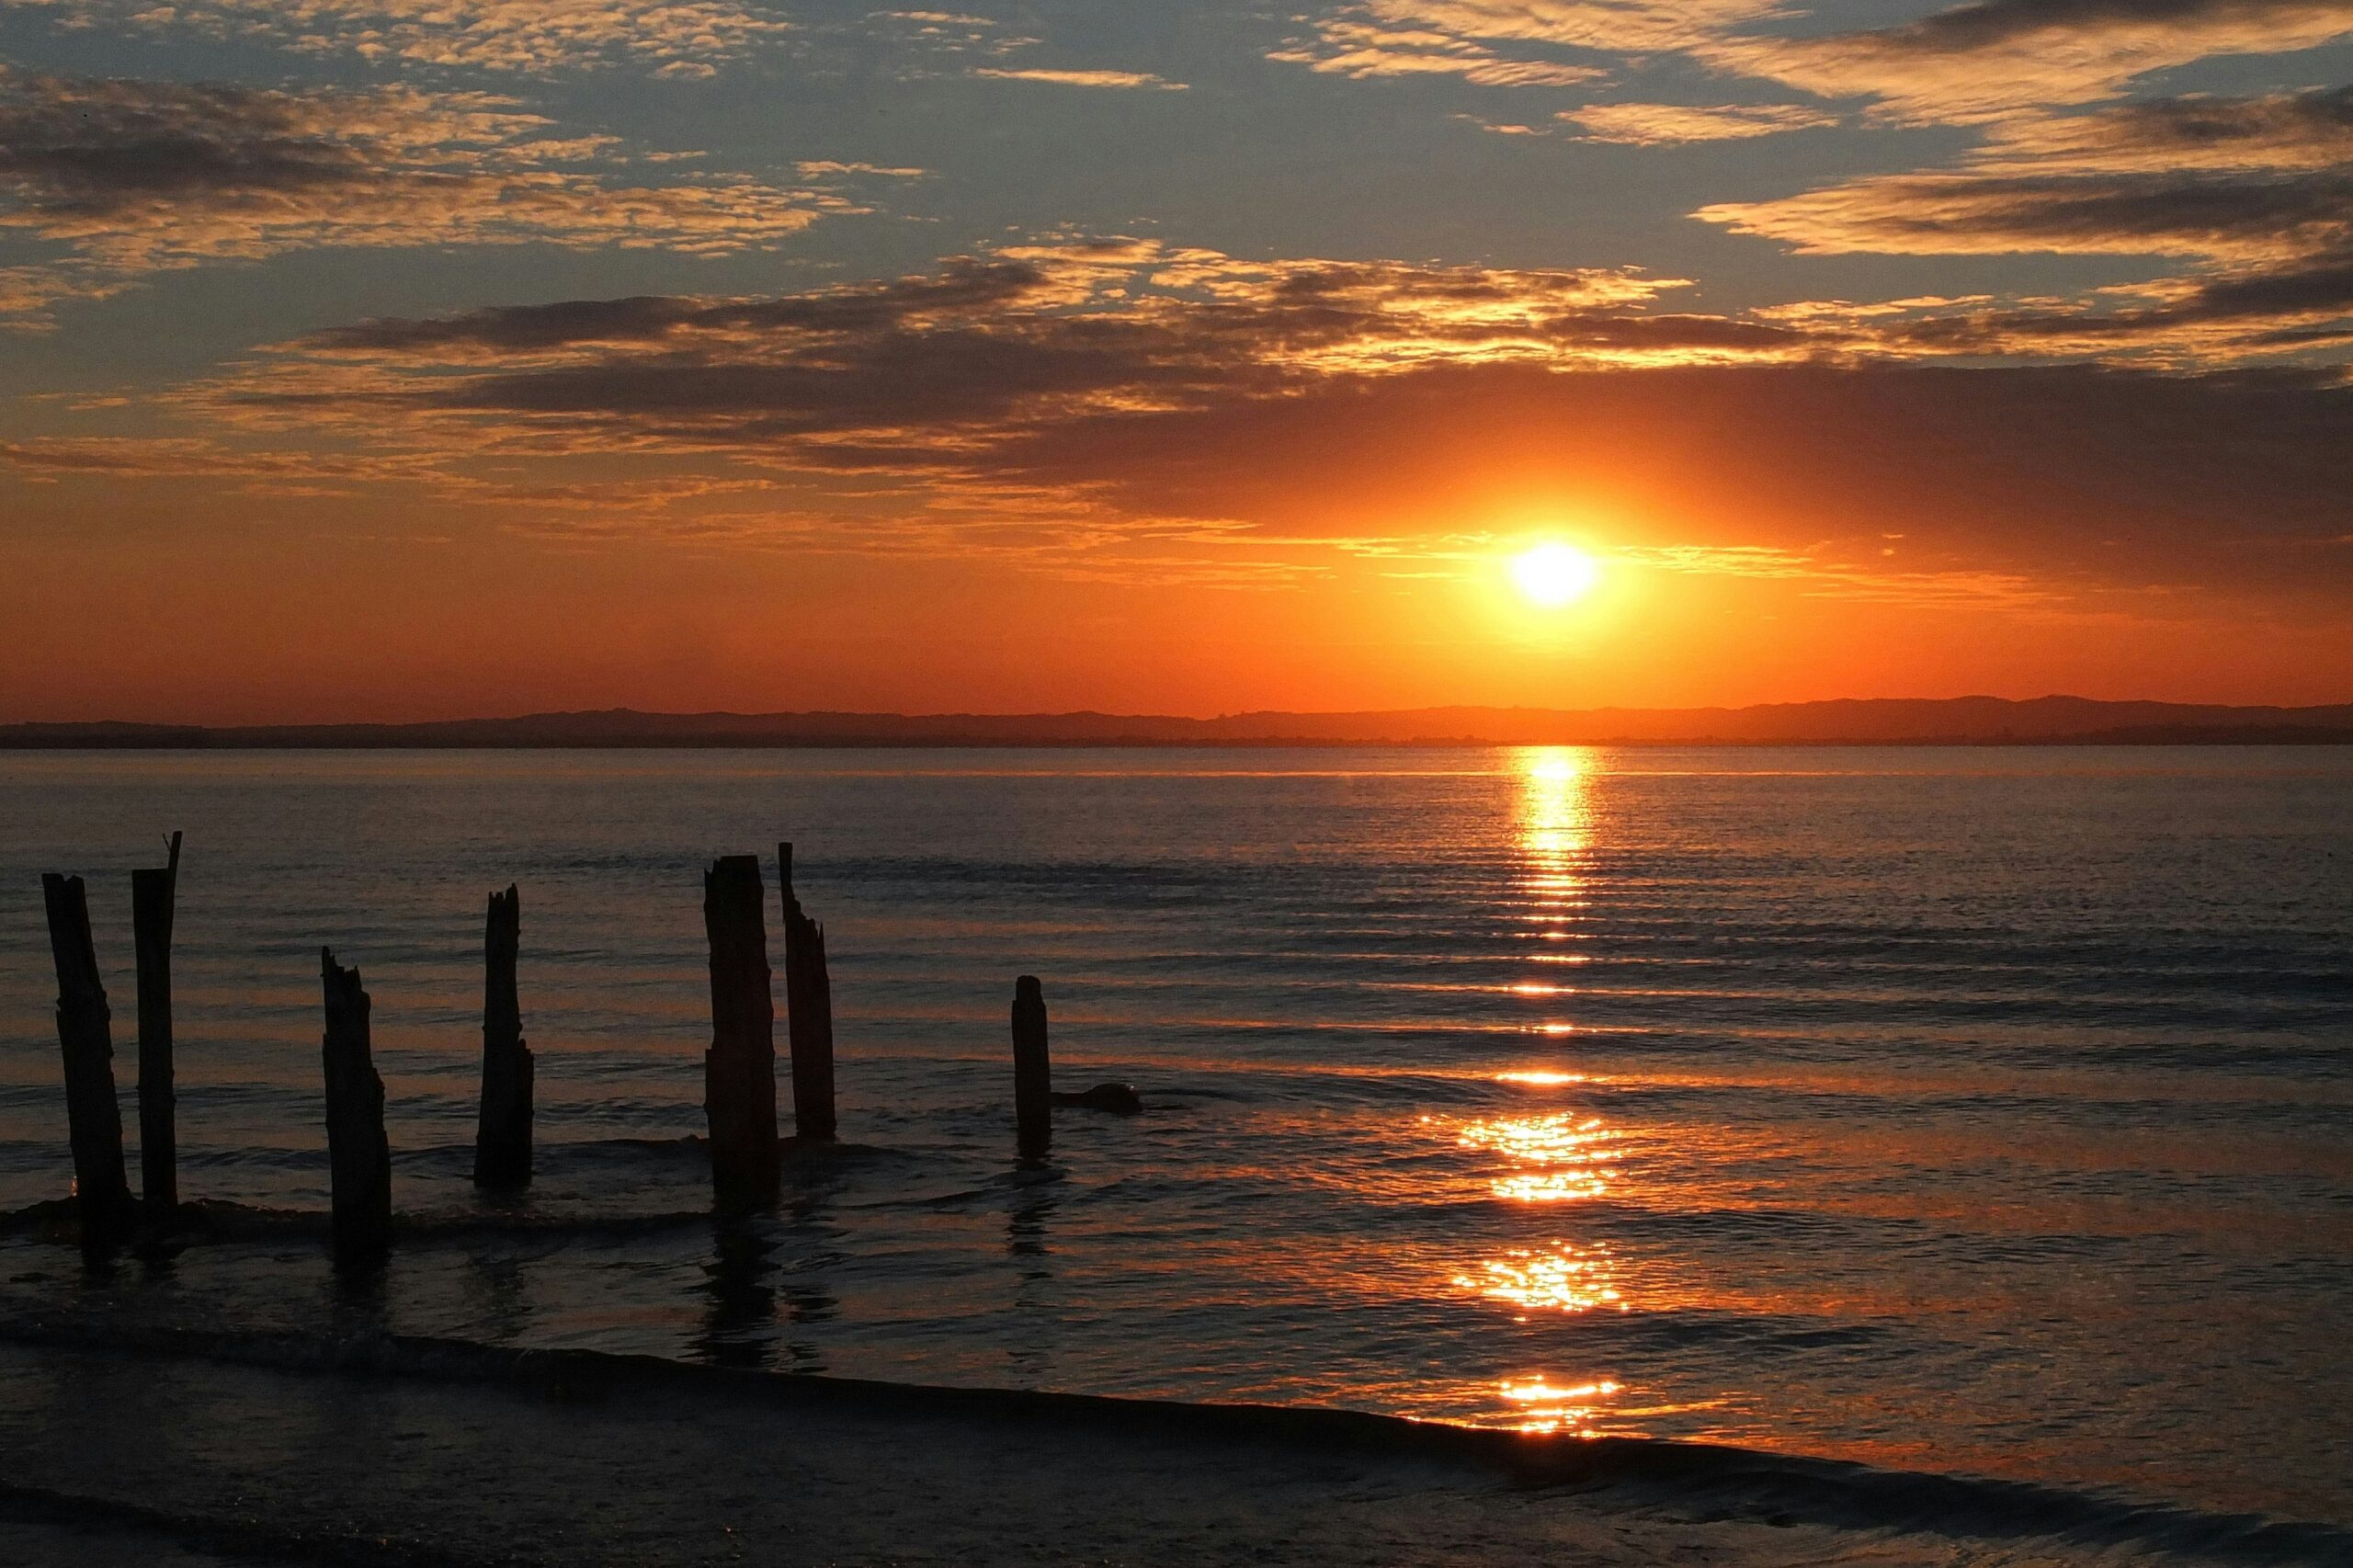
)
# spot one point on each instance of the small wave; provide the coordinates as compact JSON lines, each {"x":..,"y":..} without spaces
{"x":206,"y":1221}
{"x":1708,"y":1481}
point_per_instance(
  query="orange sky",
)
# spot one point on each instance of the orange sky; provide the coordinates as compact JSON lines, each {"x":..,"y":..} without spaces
{"x":713,"y":358}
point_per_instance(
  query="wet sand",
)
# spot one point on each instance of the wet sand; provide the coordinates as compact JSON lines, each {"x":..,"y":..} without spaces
{"x":155,"y":1459}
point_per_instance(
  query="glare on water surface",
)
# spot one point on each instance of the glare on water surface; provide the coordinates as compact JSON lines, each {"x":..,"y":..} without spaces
{"x":1555,"y":1156}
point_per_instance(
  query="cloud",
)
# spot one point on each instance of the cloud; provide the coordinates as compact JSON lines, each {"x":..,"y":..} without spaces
{"x":2225,"y":178}
{"x":960,"y":394}
{"x":133,"y":177}
{"x":824,"y":168}
{"x":1982,"y":60}
{"x":1358,"y":45}
{"x":2257,"y":192}
{"x":1508,"y":43}
{"x":1077,"y":393}
{"x":1665,"y":125}
{"x":2245,"y":216}
{"x":2310,"y":130}
{"x":1621,"y":26}
{"x":1080,"y":78}
{"x":1970,"y":62}
{"x":675,"y":37}
{"x":916,"y":370}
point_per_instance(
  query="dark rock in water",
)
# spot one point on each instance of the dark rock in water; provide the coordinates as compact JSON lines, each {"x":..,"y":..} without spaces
{"x":1119,"y":1099}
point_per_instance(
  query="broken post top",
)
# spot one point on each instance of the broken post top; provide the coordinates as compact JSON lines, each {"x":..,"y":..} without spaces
{"x":784,"y":868}
{"x":68,"y":904}
{"x":501,"y":941}
{"x":1028,"y":993}
{"x":342,"y":985}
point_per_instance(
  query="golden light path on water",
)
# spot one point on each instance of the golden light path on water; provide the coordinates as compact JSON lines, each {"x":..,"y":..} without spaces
{"x":1552,"y":1159}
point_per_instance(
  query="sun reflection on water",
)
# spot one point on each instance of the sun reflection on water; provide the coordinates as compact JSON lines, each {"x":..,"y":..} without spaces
{"x":1572,"y":1155}
{"x":1558,"y":1279}
{"x":1547,"y":1408}
{"x":1558,"y":1156}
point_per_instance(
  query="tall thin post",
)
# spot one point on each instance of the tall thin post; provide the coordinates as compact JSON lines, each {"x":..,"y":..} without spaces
{"x":739,"y":1071}
{"x":359,"y":1160}
{"x":503,"y":1133}
{"x":809,"y":1012}
{"x":1033,"y":1077}
{"x":154,"y":894}
{"x":85,"y":1033}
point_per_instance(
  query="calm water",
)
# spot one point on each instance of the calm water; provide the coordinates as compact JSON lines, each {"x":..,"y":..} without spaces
{"x":1969,"y":1110}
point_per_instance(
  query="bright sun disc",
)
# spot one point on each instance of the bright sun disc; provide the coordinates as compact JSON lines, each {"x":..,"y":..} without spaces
{"x":1553,"y":575}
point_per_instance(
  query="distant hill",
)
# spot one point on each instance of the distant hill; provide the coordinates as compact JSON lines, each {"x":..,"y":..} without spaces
{"x":1962,"y":721}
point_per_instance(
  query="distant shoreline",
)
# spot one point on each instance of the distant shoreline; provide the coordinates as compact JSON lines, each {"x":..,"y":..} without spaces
{"x":1953,"y":722}
{"x":2288,"y":738}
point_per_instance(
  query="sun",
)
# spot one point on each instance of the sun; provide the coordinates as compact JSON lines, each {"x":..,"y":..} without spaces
{"x":1554,"y":574}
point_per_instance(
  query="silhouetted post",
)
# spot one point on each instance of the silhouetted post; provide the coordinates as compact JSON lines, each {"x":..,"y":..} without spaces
{"x":1033,"y":1077}
{"x":359,"y":1160}
{"x":153,"y":893}
{"x":739,"y":1072}
{"x":809,"y":1012}
{"x":503,"y":1134}
{"x":85,"y":1031}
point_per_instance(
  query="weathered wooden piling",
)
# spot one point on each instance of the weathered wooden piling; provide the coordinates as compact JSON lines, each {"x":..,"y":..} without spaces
{"x":154,"y":893}
{"x":85,"y":1033}
{"x":809,"y":1012}
{"x":503,"y":1133}
{"x":1033,"y":1077}
{"x":359,"y":1160}
{"x":739,"y":1071}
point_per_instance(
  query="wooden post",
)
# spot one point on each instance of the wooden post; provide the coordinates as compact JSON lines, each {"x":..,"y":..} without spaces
{"x":85,"y":1032}
{"x":809,"y":1012}
{"x":739,"y":1071}
{"x":503,"y":1133}
{"x":359,"y":1160}
{"x":152,"y":896}
{"x":1033,"y":1077}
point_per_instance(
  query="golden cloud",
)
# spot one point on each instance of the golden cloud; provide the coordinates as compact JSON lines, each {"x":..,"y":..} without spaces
{"x":133,"y":177}
{"x":1666,"y":125}
{"x":683,"y":38}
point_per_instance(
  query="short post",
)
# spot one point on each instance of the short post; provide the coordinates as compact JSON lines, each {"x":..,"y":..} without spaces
{"x":739,"y":1070}
{"x":85,"y":1032}
{"x":153,"y":895}
{"x":809,"y":1012}
{"x":503,"y":1132}
{"x":359,"y":1160}
{"x":1033,"y":1077}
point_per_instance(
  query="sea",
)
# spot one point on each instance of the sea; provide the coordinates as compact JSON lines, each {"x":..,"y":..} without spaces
{"x":1985,"y":1112}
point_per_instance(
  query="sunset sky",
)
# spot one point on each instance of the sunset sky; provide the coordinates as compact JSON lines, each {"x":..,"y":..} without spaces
{"x":411,"y":359}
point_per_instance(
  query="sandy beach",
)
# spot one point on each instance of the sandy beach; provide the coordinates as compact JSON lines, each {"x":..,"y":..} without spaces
{"x":274,"y":1449}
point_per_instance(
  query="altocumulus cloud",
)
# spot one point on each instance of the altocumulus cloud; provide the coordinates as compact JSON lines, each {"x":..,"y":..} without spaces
{"x":679,"y":38}
{"x":130,"y":178}
{"x":1968,"y":62}
{"x":2257,"y":190}
{"x":922,"y":370}
{"x":1979,"y":60}
{"x":1668,"y":125}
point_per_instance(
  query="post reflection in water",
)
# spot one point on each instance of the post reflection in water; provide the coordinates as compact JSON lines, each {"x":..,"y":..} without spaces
{"x":739,"y":1280}
{"x":1554,"y":1156}
{"x":766,"y":1274}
